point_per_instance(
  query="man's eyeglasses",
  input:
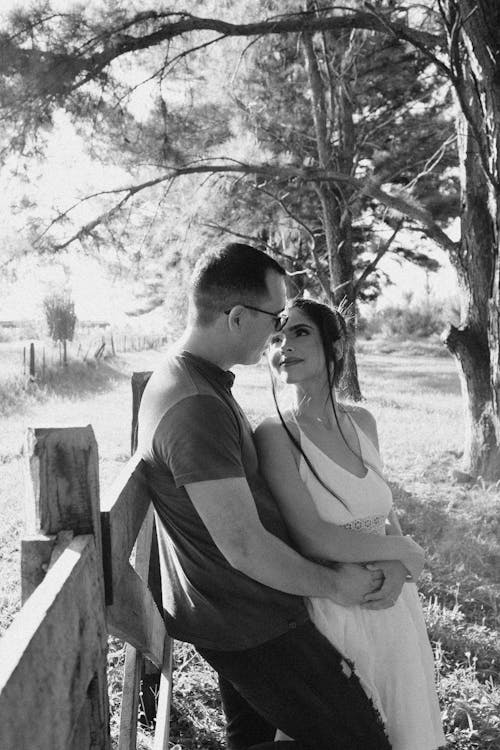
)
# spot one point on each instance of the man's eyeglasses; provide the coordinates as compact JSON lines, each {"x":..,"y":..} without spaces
{"x":280,"y":318}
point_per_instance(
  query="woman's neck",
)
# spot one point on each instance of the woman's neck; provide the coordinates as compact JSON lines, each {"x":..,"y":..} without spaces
{"x":314,"y":405}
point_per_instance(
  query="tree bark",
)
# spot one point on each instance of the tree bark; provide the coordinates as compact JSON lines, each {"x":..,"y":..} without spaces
{"x":475,"y":344}
{"x":473,"y":360}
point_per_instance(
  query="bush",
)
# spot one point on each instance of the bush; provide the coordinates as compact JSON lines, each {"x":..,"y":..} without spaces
{"x":409,"y":321}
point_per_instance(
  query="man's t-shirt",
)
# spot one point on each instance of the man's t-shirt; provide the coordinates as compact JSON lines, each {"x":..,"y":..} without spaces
{"x":192,"y":430}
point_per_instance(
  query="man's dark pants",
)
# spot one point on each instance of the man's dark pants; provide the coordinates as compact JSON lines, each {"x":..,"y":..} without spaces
{"x":301,"y":684}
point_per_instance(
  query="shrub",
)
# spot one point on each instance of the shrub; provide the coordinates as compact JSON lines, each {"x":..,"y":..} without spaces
{"x":409,"y":321}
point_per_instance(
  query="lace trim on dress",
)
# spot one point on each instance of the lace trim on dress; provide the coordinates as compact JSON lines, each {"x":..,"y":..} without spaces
{"x":368,"y":524}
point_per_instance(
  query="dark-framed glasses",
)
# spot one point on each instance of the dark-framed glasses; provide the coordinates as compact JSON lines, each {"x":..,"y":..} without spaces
{"x":280,"y":318}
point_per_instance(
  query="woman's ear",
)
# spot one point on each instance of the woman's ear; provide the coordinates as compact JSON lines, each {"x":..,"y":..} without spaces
{"x":338,"y":348}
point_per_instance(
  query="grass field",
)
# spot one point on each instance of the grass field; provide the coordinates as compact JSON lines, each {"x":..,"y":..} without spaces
{"x":415,"y":397}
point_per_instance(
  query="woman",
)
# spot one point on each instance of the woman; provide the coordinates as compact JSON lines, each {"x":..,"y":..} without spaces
{"x":322,"y":463}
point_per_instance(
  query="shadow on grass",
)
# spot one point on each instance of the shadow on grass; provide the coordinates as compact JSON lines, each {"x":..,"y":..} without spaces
{"x":461,"y":580}
{"x":76,"y":381}
{"x":458,"y":530}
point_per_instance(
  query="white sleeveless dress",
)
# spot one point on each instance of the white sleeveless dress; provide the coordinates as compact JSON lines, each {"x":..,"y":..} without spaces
{"x":390,"y":648}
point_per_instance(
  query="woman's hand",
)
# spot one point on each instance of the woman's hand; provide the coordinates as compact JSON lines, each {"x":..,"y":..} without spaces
{"x":394,"y":578}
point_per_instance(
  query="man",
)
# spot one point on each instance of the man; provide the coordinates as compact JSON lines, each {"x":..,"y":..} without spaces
{"x":232,"y":585}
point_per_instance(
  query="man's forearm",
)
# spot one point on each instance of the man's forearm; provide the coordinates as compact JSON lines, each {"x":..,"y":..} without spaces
{"x":273,"y":563}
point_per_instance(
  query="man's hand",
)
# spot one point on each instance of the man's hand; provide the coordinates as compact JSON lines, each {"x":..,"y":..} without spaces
{"x":394,"y":577}
{"x":354,"y":582}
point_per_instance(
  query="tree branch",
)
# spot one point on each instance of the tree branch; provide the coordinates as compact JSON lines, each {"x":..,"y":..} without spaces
{"x":68,"y":70}
{"x":306,"y":174}
{"x":322,"y":276}
{"x":373,"y":263}
{"x":255,"y":240}
{"x":417,"y":41}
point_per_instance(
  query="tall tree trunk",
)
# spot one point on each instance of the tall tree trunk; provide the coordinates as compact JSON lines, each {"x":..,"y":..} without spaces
{"x":336,"y":217}
{"x":345,"y":163}
{"x":475,"y":343}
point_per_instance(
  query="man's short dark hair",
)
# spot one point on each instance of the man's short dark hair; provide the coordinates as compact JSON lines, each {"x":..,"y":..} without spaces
{"x":234,"y":274}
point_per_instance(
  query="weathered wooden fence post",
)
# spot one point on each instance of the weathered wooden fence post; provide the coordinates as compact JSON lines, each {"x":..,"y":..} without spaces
{"x":63,"y":591}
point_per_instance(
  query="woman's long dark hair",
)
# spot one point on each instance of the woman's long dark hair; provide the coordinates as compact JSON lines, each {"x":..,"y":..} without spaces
{"x":332,"y":329}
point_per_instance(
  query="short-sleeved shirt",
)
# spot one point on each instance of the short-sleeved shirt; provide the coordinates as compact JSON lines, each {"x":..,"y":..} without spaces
{"x":191,"y":429}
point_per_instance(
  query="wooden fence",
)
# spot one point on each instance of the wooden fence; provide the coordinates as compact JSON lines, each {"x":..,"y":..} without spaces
{"x":78,"y":586}
{"x":37,"y":357}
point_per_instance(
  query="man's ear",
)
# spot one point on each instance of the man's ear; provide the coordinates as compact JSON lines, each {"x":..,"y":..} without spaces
{"x":234,"y":318}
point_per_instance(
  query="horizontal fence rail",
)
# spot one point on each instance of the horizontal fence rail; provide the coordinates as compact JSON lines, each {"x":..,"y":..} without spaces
{"x":53,"y":657}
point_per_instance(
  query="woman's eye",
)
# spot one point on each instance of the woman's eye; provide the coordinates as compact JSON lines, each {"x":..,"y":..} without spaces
{"x":276,"y":340}
{"x":301,"y":331}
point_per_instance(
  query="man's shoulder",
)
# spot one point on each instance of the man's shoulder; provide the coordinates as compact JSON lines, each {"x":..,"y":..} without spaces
{"x":176,"y":379}
{"x":173,"y":379}
{"x":173,"y":389}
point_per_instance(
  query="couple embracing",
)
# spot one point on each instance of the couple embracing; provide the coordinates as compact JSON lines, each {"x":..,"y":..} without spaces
{"x":281,"y":558}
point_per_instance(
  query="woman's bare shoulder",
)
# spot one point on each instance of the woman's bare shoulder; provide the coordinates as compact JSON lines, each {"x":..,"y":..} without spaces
{"x":272,"y":427}
{"x":364,"y":420}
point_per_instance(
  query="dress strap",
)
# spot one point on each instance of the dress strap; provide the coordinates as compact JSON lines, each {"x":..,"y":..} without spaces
{"x":368,"y":450}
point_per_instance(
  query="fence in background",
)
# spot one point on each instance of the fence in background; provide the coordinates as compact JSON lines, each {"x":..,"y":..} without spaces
{"x":36,"y":357}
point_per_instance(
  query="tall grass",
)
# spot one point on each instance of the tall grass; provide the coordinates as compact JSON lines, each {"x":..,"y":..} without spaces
{"x":416,"y":400}
{"x":18,"y":393}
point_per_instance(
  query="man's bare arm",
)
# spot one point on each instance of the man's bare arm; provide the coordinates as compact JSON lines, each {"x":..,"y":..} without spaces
{"x":228,"y":510}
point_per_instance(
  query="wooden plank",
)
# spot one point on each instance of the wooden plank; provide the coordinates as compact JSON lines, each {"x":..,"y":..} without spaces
{"x":134,"y":617}
{"x":133,"y":657}
{"x":147,"y":566}
{"x":123,"y":510}
{"x":54,"y":649}
{"x":162,"y":728}
{"x":35,"y":558}
{"x":38,"y":554}
{"x":127,"y":739}
{"x":139,"y":382}
{"x":149,"y":674}
{"x":84,"y":738}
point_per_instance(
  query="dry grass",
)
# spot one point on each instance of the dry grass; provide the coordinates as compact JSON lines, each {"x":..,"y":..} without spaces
{"x":415,"y":397}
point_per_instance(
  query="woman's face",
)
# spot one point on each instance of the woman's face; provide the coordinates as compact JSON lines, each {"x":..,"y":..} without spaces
{"x":296,"y":353}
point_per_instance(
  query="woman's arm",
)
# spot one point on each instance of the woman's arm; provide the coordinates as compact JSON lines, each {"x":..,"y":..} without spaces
{"x":392,"y":526}
{"x":367,"y":423}
{"x":314,"y":536}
